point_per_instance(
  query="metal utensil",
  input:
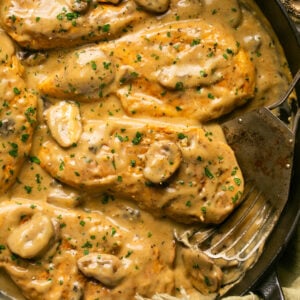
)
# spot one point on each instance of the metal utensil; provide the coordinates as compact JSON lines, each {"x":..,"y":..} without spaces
{"x":264,"y":148}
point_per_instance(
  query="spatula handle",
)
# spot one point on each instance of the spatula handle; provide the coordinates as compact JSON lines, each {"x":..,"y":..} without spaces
{"x":270,"y":288}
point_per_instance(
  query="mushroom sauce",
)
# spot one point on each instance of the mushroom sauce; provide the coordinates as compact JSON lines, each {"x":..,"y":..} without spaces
{"x":110,"y":141}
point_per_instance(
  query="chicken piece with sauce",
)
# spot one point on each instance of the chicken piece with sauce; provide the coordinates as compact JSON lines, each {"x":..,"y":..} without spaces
{"x":46,"y":24}
{"x":17,"y":114}
{"x":181,"y":172}
{"x":63,"y":23}
{"x":186,"y":68}
{"x":56,"y":253}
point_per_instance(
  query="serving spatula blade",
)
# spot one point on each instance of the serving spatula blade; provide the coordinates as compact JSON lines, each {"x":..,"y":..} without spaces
{"x":264,"y":148}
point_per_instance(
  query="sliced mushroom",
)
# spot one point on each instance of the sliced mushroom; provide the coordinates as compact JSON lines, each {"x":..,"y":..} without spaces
{"x":33,"y":237}
{"x":202,"y":272}
{"x":31,"y":59}
{"x":106,"y":268}
{"x":78,"y":5}
{"x":162,"y":160}
{"x":63,"y":196}
{"x":7,"y":127}
{"x":229,"y":9}
{"x":126,"y":74}
{"x":64,"y":122}
{"x":131,"y":214}
{"x":252,"y":42}
{"x":159,"y":6}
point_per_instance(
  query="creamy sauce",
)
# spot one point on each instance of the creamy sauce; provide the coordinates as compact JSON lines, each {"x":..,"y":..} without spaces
{"x":167,"y":71}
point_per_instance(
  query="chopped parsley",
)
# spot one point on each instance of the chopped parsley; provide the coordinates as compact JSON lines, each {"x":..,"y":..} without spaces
{"x":208,"y":173}
{"x":93,"y":65}
{"x":137,"y":139}
{"x":34,"y":159}
{"x":237,"y":181}
{"x":129,"y":252}
{"x":28,"y":189}
{"x":16,"y":91}
{"x":181,"y":136}
{"x":106,"y":28}
{"x":210,"y":96}
{"x":188,"y":203}
{"x":25,"y":137}
{"x":14,"y":150}
{"x":195,"y":42}
{"x":179,"y":86}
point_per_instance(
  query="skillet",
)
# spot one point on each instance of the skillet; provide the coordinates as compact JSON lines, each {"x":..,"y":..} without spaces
{"x":261,"y":279}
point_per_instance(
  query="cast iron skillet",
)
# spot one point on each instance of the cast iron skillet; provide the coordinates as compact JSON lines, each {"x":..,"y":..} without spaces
{"x":260,"y":279}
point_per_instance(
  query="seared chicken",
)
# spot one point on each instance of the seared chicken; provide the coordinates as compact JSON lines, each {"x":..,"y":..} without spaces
{"x":46,"y":24}
{"x":63,"y":23}
{"x":17,"y":114}
{"x":55,"y":253}
{"x":182,"y":69}
{"x":178,"y":171}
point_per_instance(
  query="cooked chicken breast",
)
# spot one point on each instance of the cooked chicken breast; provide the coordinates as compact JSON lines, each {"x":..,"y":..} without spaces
{"x":55,"y":253}
{"x":175,"y":171}
{"x":17,"y":114}
{"x":46,"y":24}
{"x":186,"y":68}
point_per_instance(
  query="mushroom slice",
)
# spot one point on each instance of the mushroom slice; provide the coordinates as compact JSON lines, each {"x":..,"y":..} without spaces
{"x":203,"y":273}
{"x":229,"y":9}
{"x":64,"y":122}
{"x":63,"y":196}
{"x":159,"y":6}
{"x":162,"y":160}
{"x":32,"y":58}
{"x":32,"y":237}
{"x":79,"y":6}
{"x":106,"y":268}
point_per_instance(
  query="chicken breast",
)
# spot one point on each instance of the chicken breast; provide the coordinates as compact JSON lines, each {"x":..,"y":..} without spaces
{"x":178,"y":171}
{"x":55,"y":253}
{"x":187,"y":68}
{"x":17,"y":114}
{"x":63,"y":23}
{"x":184,"y":69}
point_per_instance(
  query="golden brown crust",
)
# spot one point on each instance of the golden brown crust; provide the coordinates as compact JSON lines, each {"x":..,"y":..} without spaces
{"x":17,"y":115}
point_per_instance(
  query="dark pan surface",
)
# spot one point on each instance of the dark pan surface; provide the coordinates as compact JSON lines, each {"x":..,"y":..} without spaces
{"x":277,"y":242}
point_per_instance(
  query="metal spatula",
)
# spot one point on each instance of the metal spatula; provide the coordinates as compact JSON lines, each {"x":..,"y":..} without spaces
{"x":264,"y":148}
